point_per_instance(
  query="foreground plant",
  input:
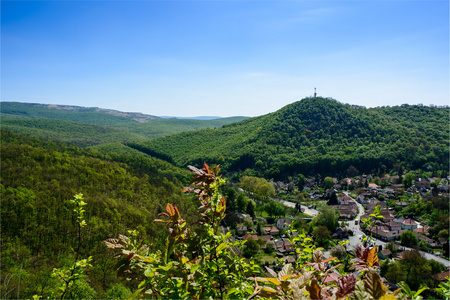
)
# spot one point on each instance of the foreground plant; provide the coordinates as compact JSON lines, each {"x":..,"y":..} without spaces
{"x":200,"y":264}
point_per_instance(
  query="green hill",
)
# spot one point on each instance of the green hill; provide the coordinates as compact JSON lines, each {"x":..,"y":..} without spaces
{"x":124,"y":190}
{"x":87,"y":115}
{"x":69,"y":132}
{"x":91,"y":126}
{"x":163,"y":127}
{"x":316,"y":135}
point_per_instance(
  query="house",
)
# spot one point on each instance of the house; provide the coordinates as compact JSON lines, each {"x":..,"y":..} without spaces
{"x":383,"y":233}
{"x":345,"y":198}
{"x":383,"y":254}
{"x":272,"y":230}
{"x":266,"y":238}
{"x":347,"y":212}
{"x":424,"y":238}
{"x":340,"y":233}
{"x":284,"y":223}
{"x":422,"y":230}
{"x":284,"y":246}
{"x":362,"y":199}
{"x":422,"y":183}
{"x":373,"y":186}
{"x":387,"y":215}
{"x":409,"y":224}
{"x":401,"y":203}
{"x":394,"y":225}
{"x":442,"y":276}
{"x":250,"y":236}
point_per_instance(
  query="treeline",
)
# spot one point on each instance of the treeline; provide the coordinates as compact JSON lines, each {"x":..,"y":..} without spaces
{"x":318,"y":135}
{"x":124,"y":190}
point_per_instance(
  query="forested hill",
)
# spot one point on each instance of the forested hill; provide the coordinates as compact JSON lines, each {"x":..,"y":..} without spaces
{"x":123,"y":188}
{"x":85,"y":126}
{"x":87,"y":115}
{"x":317,"y":135}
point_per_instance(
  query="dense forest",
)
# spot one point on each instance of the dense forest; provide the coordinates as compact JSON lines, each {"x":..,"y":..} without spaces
{"x":124,"y":190}
{"x":317,"y":135}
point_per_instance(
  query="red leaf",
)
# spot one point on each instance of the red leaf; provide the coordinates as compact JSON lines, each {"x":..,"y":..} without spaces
{"x":346,"y":285}
{"x":130,"y":256}
{"x":359,"y":252}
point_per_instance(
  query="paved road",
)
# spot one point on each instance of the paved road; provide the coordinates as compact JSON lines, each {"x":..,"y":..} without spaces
{"x":355,"y":240}
{"x":309,"y":211}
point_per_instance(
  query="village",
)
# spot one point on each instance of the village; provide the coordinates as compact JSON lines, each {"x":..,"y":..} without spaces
{"x":396,"y":231}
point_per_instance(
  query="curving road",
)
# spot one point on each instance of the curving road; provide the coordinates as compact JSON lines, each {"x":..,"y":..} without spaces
{"x":356,"y":239}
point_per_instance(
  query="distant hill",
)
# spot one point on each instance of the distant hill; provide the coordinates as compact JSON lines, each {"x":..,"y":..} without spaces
{"x":316,"y":135}
{"x":91,"y":126}
{"x":88,"y":115}
{"x":193,"y":118}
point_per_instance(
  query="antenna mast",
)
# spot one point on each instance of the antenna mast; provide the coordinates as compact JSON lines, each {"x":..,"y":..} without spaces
{"x":315,"y":94}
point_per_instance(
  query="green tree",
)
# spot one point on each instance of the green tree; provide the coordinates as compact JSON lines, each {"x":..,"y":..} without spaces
{"x":328,"y":217}
{"x":251,"y":248}
{"x":408,"y":179}
{"x":321,"y":234}
{"x":408,"y":238}
{"x":395,"y":273}
{"x":241,"y":202}
{"x":301,"y":182}
{"x":251,"y":208}
{"x":417,"y":270}
{"x":274,"y":209}
{"x":231,"y":199}
{"x":328,"y":183}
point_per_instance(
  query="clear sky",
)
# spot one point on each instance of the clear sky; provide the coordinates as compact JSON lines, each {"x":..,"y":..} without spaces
{"x":223,"y":58}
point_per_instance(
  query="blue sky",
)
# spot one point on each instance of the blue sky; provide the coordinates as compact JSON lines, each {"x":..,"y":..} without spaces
{"x":223,"y":58}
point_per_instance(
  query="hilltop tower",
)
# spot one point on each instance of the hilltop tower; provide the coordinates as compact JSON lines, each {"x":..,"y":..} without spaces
{"x":315,"y":94}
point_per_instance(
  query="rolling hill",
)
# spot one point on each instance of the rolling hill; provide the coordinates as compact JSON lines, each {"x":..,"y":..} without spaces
{"x":316,"y":135}
{"x":92,"y":126}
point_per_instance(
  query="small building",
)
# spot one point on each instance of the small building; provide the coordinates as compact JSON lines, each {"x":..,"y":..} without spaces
{"x":409,"y":224}
{"x":373,"y":186}
{"x":422,"y":230}
{"x":394,"y":225}
{"x":383,"y":254}
{"x":272,"y":230}
{"x":250,"y":236}
{"x":284,"y":223}
{"x":442,"y":276}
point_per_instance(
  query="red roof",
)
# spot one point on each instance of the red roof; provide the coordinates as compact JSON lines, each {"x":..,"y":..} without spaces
{"x":441,"y":276}
{"x":252,"y":236}
{"x":409,"y":222}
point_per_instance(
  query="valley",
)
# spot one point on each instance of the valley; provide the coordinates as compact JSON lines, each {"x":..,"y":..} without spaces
{"x":333,"y":172}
